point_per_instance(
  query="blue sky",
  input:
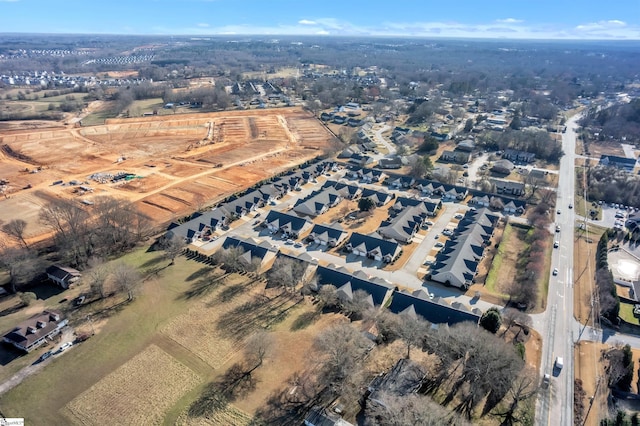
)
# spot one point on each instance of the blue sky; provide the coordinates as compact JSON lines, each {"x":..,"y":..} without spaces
{"x":521,"y":19}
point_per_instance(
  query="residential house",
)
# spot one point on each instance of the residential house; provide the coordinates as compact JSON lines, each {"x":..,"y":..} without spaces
{"x":350,"y":151}
{"x":518,"y":156}
{"x":503,"y":167}
{"x":370,"y":175}
{"x":346,"y":191}
{"x":402,"y":181}
{"x":254,"y":252}
{"x":381,"y":198}
{"x":327,"y":235}
{"x":435,"y":310}
{"x":64,"y":276}
{"x":466,"y":145}
{"x":627,"y":164}
{"x":318,"y":202}
{"x":201,"y":227}
{"x":361,"y":160}
{"x":390,"y":163}
{"x":405,"y":224}
{"x":373,"y":247}
{"x":292,"y":225}
{"x":34,"y":332}
{"x":459,"y":157}
{"x":457,"y":262}
{"x":348,"y":283}
{"x":430,"y":206}
{"x":508,"y":187}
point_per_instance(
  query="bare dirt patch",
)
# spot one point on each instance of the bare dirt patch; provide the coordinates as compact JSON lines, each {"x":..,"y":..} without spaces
{"x":588,"y":367}
{"x":584,"y":271}
{"x":131,"y":395}
{"x":205,"y":157}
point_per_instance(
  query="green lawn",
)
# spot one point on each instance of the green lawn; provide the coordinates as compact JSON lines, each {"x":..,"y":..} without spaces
{"x":626,"y":313}
{"x":124,"y":335}
{"x":97,"y":118}
{"x":492,"y":276}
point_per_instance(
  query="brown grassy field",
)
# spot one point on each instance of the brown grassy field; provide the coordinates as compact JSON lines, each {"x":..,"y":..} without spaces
{"x":183,"y":161}
{"x":132,"y":394}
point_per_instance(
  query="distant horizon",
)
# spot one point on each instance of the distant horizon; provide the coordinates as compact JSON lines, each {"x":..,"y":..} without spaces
{"x":498,"y":19}
{"x":292,"y":37}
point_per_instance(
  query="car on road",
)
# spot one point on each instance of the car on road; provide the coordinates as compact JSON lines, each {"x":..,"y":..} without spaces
{"x":298,"y":245}
{"x":555,"y":271}
{"x":439,"y":244}
{"x":545,"y":381}
{"x":289,"y":241}
{"x":558,"y":211}
{"x":459,"y":216}
{"x":437,"y":236}
{"x":559,"y":363}
{"x":570,"y":206}
{"x":65,"y":346}
{"x":557,"y":228}
{"x":556,"y":244}
{"x":428,"y":223}
{"x":45,"y":355}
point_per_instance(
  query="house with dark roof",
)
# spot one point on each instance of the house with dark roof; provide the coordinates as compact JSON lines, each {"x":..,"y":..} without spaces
{"x":350,"y":151}
{"x":404,"y":225}
{"x":346,"y":191}
{"x":390,"y":163}
{"x":466,"y":145}
{"x":380,"y":198}
{"x":64,"y":276}
{"x":201,"y":227}
{"x":318,"y":202}
{"x":508,"y":187}
{"x":34,"y":332}
{"x":373,"y":247}
{"x":431,"y":206}
{"x":457,"y":262}
{"x":503,"y":167}
{"x":459,"y":157}
{"x":291,"y":224}
{"x":347,"y":283}
{"x":327,"y":235}
{"x":401,"y":181}
{"x":253,"y":252}
{"x":520,"y":156}
{"x":627,"y":164}
{"x":434,"y":310}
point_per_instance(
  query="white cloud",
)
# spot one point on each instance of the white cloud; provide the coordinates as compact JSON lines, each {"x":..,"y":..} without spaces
{"x":509,"y":28}
{"x":509,"y":21}
{"x":203,"y":25}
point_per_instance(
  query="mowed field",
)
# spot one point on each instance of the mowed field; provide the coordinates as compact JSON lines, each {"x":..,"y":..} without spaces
{"x":150,"y":360}
{"x":180,"y":162}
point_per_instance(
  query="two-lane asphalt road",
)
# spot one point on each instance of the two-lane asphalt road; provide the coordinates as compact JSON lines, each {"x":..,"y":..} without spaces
{"x":555,"y":404}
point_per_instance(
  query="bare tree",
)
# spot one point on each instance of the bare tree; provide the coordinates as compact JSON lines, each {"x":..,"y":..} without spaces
{"x":327,"y":296}
{"x":395,"y":410}
{"x":97,"y":275}
{"x":525,"y":386}
{"x":173,"y":247}
{"x":70,"y":225}
{"x":359,"y":302}
{"x":340,"y":350}
{"x":15,"y":228}
{"x":126,"y":278}
{"x":412,"y":330}
{"x":257,"y":349}
{"x":22,"y":264}
{"x":286,"y":272}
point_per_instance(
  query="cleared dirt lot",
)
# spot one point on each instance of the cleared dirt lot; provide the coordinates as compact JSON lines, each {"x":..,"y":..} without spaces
{"x":178,"y":163}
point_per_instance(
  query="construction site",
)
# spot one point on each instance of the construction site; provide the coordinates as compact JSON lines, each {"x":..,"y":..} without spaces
{"x":167,"y":166}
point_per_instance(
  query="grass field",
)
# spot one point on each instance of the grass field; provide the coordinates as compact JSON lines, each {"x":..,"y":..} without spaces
{"x":138,"y":392}
{"x":626,"y":313}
